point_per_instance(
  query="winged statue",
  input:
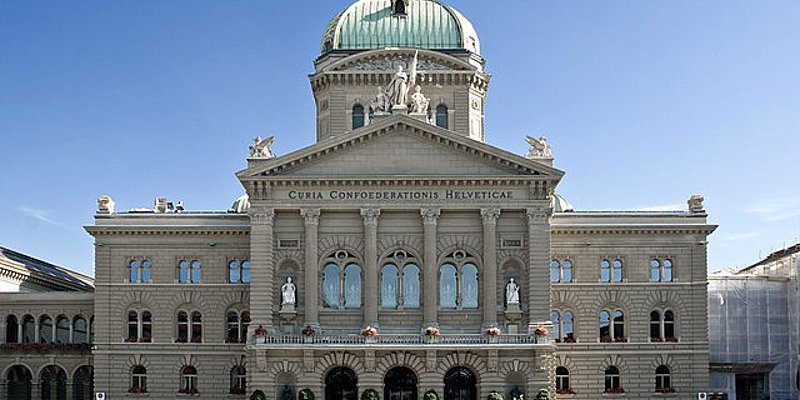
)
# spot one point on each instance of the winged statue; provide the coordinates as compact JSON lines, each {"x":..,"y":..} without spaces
{"x":539,"y":147}
{"x":260,"y":147}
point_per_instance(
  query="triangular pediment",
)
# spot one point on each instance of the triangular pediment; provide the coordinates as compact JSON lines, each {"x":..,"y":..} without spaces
{"x":400,"y":146}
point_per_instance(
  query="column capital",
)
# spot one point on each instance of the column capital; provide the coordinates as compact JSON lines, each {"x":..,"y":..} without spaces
{"x":539,"y":216}
{"x":370,"y":216}
{"x":430,"y":216}
{"x":310,"y":216}
{"x":490,"y":215}
{"x":261,"y":216}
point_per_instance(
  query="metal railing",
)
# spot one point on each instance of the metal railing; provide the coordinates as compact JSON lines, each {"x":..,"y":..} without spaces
{"x":400,"y":340}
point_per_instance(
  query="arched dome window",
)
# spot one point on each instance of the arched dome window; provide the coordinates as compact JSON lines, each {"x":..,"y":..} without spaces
{"x":442,"y":117}
{"x":399,"y":7}
{"x":358,"y":116}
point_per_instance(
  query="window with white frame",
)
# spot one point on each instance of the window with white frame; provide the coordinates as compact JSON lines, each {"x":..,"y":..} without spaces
{"x":563,"y":326}
{"x":458,"y":281}
{"x":612,"y":326}
{"x":237,"y":326}
{"x":188,"y":383}
{"x":611,"y":271}
{"x":560,"y":271}
{"x":341,"y":281}
{"x":663,"y":383}
{"x":400,"y":282}
{"x":189,"y":271}
{"x":661,"y":270}
{"x":140,"y":327}
{"x":562,"y":381}
{"x":662,"y":326}
{"x":239,"y":271}
{"x":238,"y":380}
{"x":138,"y":380}
{"x":139,"y":271}
{"x":612,"y":380}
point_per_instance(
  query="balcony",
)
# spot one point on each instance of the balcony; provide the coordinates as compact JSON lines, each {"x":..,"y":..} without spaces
{"x":392,"y":341}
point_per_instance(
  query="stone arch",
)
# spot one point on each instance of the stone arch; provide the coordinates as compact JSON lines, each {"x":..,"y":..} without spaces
{"x":563,"y":360}
{"x":237,"y":361}
{"x":340,"y":359}
{"x":239,"y":300}
{"x":665,"y":359}
{"x":613,"y":360}
{"x":468,"y":360}
{"x":77,"y":368}
{"x":658,"y":299}
{"x":566,"y":300}
{"x":295,"y":255}
{"x":400,"y":359}
{"x":187,"y":360}
{"x":612,"y":298}
{"x":331,"y":243}
{"x":287,"y":268}
{"x":513,"y":267}
{"x":380,"y":54}
{"x":137,"y":359}
{"x":8,"y":368}
{"x":387,"y":244}
{"x":523,"y":368}
{"x":450,"y":243}
{"x":286,"y":367}
{"x":192,"y":299}
{"x":136,"y":299}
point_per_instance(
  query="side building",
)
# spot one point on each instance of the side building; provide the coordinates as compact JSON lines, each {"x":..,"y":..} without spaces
{"x":754,"y":331}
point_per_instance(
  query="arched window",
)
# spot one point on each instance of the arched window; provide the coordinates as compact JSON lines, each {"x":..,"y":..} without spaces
{"x":146,"y":271}
{"x":560,"y":271}
{"x":139,"y":271}
{"x":605,"y":271}
{"x":91,"y":329}
{"x":400,"y":282}
{"x":62,"y":329}
{"x":237,"y":326}
{"x":460,"y":384}
{"x":82,"y":383}
{"x":458,"y":281}
{"x":245,"y":271}
{"x":562,"y":381}
{"x":183,"y":327}
{"x":400,"y":383}
{"x":134,"y":271}
{"x":660,"y":270}
{"x":616,"y":271}
{"x":45,"y":329}
{"x":138,"y":380}
{"x":147,"y":327}
{"x":28,"y":329}
{"x":53,"y":383}
{"x":442,"y":117}
{"x":341,"y":384}
{"x":662,"y":326}
{"x":140,"y":327}
{"x":655,"y":326}
{"x":80,"y":331}
{"x":285,"y":387}
{"x":612,"y":383}
{"x":612,"y":329}
{"x":133,"y":327}
{"x":358,"y":116}
{"x":238,"y":380}
{"x":663,"y":384}
{"x":189,"y":272}
{"x":188,"y":380}
{"x":18,"y":385}
{"x":197,"y":327}
{"x":342,"y":281}
{"x":563,"y":326}
{"x":234,"y":272}
{"x":12,"y":329}
{"x":669,"y":325}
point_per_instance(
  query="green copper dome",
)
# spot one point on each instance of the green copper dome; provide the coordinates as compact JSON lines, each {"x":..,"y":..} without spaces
{"x":425,"y":24}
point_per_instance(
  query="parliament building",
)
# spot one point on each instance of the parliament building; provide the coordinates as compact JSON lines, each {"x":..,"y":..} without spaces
{"x":399,"y":256}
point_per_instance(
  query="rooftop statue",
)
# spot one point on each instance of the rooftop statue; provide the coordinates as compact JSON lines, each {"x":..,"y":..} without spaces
{"x":380,"y":104}
{"x":696,"y":203}
{"x":419,"y":103}
{"x":398,"y":89}
{"x":260,"y":147}
{"x":105,"y":205}
{"x":539,"y":147}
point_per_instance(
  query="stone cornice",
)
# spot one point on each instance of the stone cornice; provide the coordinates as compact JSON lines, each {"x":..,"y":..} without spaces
{"x":430,"y":216}
{"x":393,"y":182}
{"x":632,"y":230}
{"x":99,"y":230}
{"x":310,"y":216}
{"x":20,"y":276}
{"x":370,"y":216}
{"x":490,"y":216}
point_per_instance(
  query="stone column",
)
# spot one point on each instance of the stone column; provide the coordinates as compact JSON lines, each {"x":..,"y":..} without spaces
{"x":430,"y":272}
{"x":538,"y":264}
{"x":370,"y":285}
{"x":36,"y":388}
{"x":310,"y":269}
{"x":490,"y":216}
{"x":3,"y":388}
{"x":3,"y":328}
{"x":262,"y":267}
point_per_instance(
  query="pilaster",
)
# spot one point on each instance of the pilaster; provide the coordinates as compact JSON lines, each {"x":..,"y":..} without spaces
{"x":430,"y":219}
{"x":538,"y":262}
{"x":490,"y":216}
{"x":370,"y":217}
{"x":310,"y":275}
{"x":262,"y":266}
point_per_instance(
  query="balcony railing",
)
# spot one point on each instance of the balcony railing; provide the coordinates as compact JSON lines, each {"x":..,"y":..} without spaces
{"x":400,"y":340}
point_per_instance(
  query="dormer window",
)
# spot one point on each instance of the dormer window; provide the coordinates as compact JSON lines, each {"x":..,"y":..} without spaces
{"x":399,"y":8}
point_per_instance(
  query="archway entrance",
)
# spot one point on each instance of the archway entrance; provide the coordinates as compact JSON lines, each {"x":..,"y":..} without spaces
{"x":460,"y":384}
{"x":19,"y":383}
{"x":82,"y":384}
{"x":400,"y":384}
{"x":341,"y":384}
{"x":54,"y":383}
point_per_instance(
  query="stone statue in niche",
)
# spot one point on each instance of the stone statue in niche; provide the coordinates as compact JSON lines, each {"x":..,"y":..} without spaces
{"x":512,"y":293}
{"x":539,"y":147}
{"x":398,"y":88}
{"x":380,"y":104}
{"x":288,"y":291}
{"x":419,"y":103}
{"x":260,"y":147}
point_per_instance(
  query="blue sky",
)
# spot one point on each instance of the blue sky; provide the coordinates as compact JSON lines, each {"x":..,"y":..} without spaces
{"x":644,"y":102}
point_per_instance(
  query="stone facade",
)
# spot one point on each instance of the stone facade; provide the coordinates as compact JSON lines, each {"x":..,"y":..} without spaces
{"x":401,"y":233}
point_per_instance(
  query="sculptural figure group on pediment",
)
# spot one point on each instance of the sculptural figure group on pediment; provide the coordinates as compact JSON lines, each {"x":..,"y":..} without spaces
{"x":396,"y":97}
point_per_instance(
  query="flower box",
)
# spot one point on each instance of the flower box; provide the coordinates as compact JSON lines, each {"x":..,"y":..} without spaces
{"x":493,"y":331}
{"x":369,"y":332}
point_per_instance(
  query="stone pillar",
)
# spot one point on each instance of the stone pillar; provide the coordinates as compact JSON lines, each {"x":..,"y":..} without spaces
{"x":262,"y":267}
{"x":490,"y":216}
{"x":19,"y":332}
{"x":3,"y":388}
{"x":430,"y":272}
{"x":310,"y":269}
{"x":370,"y":285}
{"x":36,"y":388}
{"x":3,"y":328}
{"x":538,"y":264}
{"x":36,"y":331}
{"x":68,"y":389}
